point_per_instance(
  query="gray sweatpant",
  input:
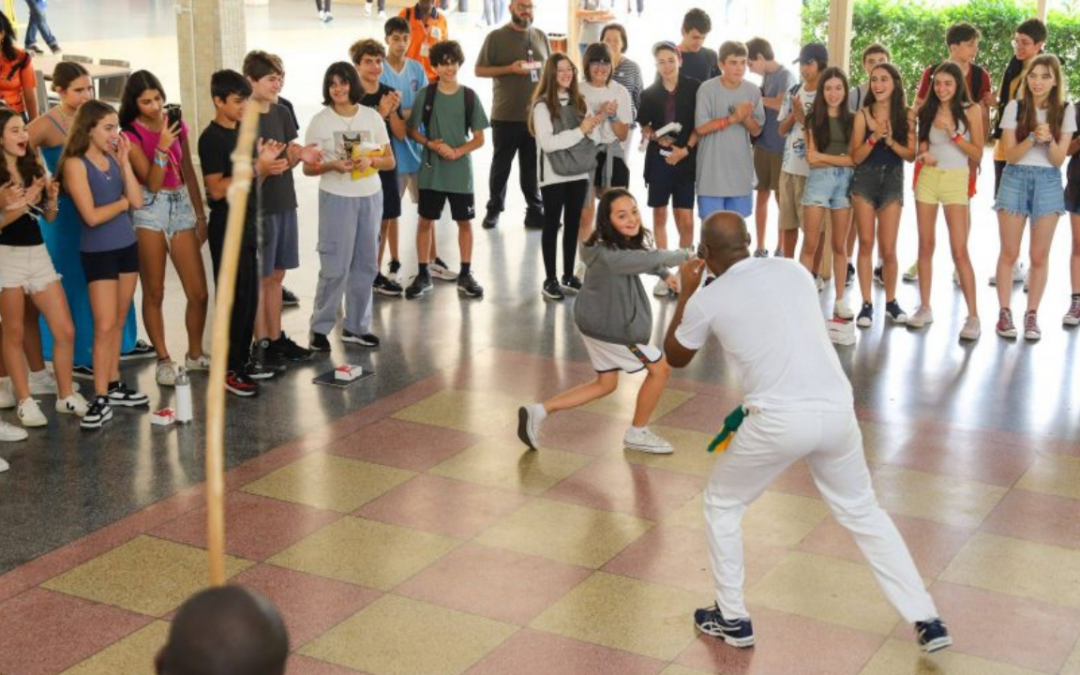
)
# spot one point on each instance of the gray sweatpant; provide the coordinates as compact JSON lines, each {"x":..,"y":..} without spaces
{"x":348,"y":260}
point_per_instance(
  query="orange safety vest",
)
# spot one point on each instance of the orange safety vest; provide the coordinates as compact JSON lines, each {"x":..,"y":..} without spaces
{"x":423,"y":34}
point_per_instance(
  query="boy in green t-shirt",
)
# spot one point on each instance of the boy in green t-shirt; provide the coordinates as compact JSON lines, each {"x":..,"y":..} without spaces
{"x":447,"y":139}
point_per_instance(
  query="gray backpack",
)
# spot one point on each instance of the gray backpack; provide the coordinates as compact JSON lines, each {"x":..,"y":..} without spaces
{"x":573,"y":161}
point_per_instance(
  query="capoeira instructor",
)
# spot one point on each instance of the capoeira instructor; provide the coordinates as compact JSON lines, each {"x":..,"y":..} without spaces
{"x":765,"y":313}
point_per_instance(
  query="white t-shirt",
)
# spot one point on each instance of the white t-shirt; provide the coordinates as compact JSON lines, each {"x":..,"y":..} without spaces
{"x":795,"y":148}
{"x":336,"y":136}
{"x":766,"y":314}
{"x":595,"y":97}
{"x":1038,"y":155}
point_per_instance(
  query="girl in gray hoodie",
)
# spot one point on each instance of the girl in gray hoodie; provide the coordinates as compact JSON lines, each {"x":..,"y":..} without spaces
{"x":614,"y":316}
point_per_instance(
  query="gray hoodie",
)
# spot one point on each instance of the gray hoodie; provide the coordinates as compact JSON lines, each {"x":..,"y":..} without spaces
{"x":613,"y":305}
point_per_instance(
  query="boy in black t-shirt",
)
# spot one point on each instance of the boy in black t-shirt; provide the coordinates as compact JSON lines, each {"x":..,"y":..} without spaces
{"x":698,"y":62}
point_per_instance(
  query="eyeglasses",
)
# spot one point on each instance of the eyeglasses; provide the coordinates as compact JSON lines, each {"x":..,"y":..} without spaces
{"x":1026,"y":44}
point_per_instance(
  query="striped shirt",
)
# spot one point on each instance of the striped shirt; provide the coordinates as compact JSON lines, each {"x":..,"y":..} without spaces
{"x":628,"y":74}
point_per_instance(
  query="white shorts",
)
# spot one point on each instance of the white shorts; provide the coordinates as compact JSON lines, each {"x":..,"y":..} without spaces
{"x":607,"y":357}
{"x":27,"y":267}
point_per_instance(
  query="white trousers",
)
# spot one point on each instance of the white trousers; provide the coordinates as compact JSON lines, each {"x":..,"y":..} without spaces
{"x":766,"y":444}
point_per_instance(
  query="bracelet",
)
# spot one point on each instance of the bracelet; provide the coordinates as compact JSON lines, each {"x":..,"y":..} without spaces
{"x":723,"y":123}
{"x":870,"y":140}
{"x":613,"y":118}
{"x":162,"y":162}
{"x":957,"y":138}
{"x":159,"y":151}
{"x":1031,"y":137}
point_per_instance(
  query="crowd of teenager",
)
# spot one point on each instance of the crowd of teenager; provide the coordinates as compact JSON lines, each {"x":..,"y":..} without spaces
{"x":97,"y":200}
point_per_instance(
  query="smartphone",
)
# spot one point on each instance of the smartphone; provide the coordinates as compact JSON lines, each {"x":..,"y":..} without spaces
{"x":172,"y":111}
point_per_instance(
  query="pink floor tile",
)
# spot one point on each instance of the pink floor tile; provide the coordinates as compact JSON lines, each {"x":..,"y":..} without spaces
{"x":1026,"y":633}
{"x":255,"y":527}
{"x":1043,"y":518}
{"x":973,"y":457}
{"x":612,"y":485}
{"x":311,"y":605}
{"x":533,"y":378}
{"x":495,"y":583}
{"x":933,"y":546}
{"x":582,"y":432}
{"x":532,"y":652}
{"x":786,"y":645}
{"x":45,"y":632}
{"x":405,"y":445}
{"x":677,"y":556}
{"x":702,"y":413}
{"x":302,"y":665}
{"x":443,"y":505}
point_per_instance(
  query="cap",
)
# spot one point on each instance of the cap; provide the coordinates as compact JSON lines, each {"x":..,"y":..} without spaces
{"x":664,"y":45}
{"x":814,"y":51}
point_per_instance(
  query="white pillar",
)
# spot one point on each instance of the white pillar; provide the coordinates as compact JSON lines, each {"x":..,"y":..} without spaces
{"x":210,"y":36}
{"x":840,"y":15}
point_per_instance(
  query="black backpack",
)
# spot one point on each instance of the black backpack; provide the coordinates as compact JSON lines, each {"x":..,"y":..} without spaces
{"x":429,"y":108}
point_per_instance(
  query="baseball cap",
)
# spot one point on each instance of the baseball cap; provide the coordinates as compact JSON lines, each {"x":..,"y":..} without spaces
{"x":814,"y":51}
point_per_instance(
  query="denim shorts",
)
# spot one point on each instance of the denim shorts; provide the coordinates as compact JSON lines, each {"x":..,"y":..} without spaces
{"x":879,"y":184}
{"x":166,"y":211}
{"x":742,"y":205}
{"x":1030,"y":191}
{"x":828,"y":188}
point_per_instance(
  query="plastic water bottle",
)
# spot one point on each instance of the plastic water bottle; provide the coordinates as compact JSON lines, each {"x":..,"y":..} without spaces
{"x":183,"y":397}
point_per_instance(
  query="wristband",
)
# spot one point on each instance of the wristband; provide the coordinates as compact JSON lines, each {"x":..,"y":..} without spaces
{"x":1031,"y":137}
{"x":870,"y":140}
{"x":613,"y":118}
{"x":957,"y":138}
{"x":161,"y":161}
{"x":723,"y":123}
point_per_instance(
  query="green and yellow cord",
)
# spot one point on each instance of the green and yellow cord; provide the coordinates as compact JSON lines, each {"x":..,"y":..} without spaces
{"x":731,"y":424}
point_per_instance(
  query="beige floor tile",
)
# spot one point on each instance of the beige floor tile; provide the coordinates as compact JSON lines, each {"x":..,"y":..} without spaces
{"x":627,"y":614}
{"x":399,"y":636}
{"x":690,"y":454}
{"x":1018,"y":567}
{"x":134,"y":655}
{"x":509,"y":465}
{"x":365,"y":552}
{"x":329,"y":482}
{"x":675,"y":669}
{"x":146,"y":575}
{"x":905,"y":658}
{"x":942,"y":499}
{"x":1072,"y":665}
{"x":1053,"y":474}
{"x":781,"y":519}
{"x":691,"y":514}
{"x":621,"y":403}
{"x":565,"y":532}
{"x":827,"y":589}
{"x":479,"y":412}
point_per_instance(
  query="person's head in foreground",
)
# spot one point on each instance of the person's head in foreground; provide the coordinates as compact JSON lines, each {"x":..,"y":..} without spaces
{"x":724,"y":241}
{"x":229,"y":630}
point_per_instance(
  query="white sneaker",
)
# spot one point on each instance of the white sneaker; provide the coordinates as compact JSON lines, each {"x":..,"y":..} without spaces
{"x":841,"y":310}
{"x":7,"y":399}
{"x":819,"y":283}
{"x":166,"y":373}
{"x":72,"y":405}
{"x":201,"y":363}
{"x":328,"y":18}
{"x":661,"y":289}
{"x":382,"y":14}
{"x":971,"y":330}
{"x":30,"y":414}
{"x":440,"y":270}
{"x":4,"y":466}
{"x":644,"y":440}
{"x":529,"y":419}
{"x":9,"y":433}
{"x":322,"y":15}
{"x":912,"y":273}
{"x":923,"y":317}
{"x":367,"y":9}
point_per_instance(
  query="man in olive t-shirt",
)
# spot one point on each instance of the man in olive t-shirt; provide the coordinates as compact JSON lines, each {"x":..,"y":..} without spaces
{"x":514,"y":56}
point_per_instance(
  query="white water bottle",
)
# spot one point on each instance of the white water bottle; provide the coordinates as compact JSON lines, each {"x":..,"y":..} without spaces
{"x":183,"y":397}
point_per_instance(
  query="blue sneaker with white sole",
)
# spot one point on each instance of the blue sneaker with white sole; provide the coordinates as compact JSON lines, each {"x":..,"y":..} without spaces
{"x":736,"y":632}
{"x":933,"y":635}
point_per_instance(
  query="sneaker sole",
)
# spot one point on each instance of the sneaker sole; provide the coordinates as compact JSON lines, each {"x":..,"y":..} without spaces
{"x":242,"y":393}
{"x":68,"y":411}
{"x":33,"y":424}
{"x":358,"y":342}
{"x":419,"y":295}
{"x":1069,"y":321}
{"x":898,"y":322}
{"x":83,"y":375}
{"x":937,"y":644}
{"x":864,"y":323}
{"x":649,"y":449}
{"x":389,"y":293}
{"x":740,"y":643}
{"x":128,"y":404}
{"x":1032,"y":337}
{"x":262,"y":376}
{"x":96,"y":425}
{"x":523,"y":428}
{"x":469,"y":294}
{"x":318,"y":350}
{"x":444,"y":276}
{"x":970,"y":338}
{"x":1008,"y":335}
{"x":549,"y":296}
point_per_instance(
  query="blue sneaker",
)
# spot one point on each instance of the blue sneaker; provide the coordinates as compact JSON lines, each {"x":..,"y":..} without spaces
{"x":933,"y":635}
{"x":735,"y":632}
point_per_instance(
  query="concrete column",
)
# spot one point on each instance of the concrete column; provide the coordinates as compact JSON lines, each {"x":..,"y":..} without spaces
{"x":210,"y":36}
{"x":840,"y":15}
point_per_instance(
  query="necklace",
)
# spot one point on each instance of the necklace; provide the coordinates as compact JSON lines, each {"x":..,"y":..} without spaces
{"x":348,"y":121}
{"x":65,"y":121}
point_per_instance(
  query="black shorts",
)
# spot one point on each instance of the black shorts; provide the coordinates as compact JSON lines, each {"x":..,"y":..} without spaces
{"x":391,"y":198}
{"x":620,"y":174}
{"x":668,"y":183}
{"x":109,"y":265}
{"x":462,"y":206}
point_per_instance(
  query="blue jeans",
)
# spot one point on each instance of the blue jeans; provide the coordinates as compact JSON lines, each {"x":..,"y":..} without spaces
{"x":37,"y":23}
{"x":1030,"y":191}
{"x":742,"y":205}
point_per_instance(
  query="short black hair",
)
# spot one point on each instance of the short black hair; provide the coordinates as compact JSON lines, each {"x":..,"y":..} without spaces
{"x":622,"y":32}
{"x":225,"y":83}
{"x":396,"y":24}
{"x":759,"y":46}
{"x":961,"y":32}
{"x":346,"y":72}
{"x":443,"y":53}
{"x":697,"y":19}
{"x":1034,"y":29}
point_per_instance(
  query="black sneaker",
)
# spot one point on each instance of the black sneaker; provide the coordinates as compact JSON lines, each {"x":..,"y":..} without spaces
{"x":98,"y":414}
{"x":879,"y":278}
{"x":319,"y":343}
{"x":552,"y":290}
{"x":395,"y":271}
{"x":534,"y":220}
{"x":420,"y":285}
{"x":82,"y":372}
{"x":258,"y":371}
{"x":365,"y":340}
{"x":850,"y":279}
{"x":467,"y":286}
{"x":571,"y":283}
{"x":895,"y":314}
{"x":384,"y":286}
{"x":267,"y":358}
{"x":735,"y":632}
{"x":933,"y":635}
{"x":289,"y":349}
{"x":34,"y":49}
{"x":141,"y":350}
{"x":866,"y":316}
{"x":55,"y":49}
{"x":491,"y":220}
{"x":241,"y":384}
{"x":129,"y":398}
{"x":288,"y":298}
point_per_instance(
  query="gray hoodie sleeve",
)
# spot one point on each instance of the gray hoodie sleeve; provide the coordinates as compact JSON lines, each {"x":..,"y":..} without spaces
{"x":643,"y":262}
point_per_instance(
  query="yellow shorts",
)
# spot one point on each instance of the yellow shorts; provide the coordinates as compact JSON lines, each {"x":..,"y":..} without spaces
{"x":942,"y":186}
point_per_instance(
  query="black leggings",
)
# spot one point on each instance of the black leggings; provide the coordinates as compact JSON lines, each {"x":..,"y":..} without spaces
{"x":382,"y":4}
{"x":563,"y":203}
{"x":322,"y":5}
